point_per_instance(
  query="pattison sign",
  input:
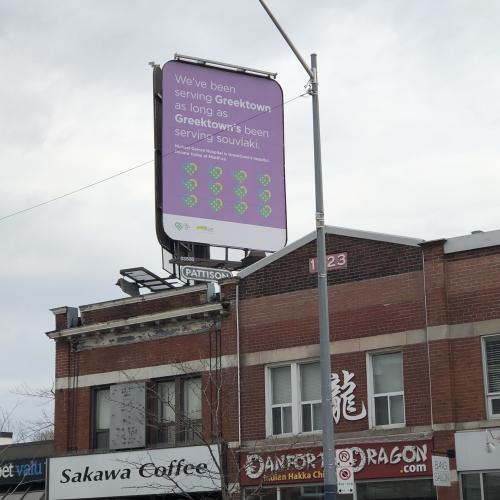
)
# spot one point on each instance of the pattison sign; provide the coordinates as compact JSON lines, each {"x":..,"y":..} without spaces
{"x":159,"y":471}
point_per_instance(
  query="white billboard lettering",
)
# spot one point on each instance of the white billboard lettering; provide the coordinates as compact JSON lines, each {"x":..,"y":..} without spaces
{"x":204,"y":273}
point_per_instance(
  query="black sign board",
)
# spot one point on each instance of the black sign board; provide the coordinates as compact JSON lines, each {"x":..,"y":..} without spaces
{"x":16,"y":471}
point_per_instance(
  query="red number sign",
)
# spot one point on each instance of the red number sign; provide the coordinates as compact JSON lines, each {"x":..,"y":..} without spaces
{"x":334,"y":261}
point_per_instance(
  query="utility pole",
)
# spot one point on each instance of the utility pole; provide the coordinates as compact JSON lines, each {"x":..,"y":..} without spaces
{"x":330,"y":478}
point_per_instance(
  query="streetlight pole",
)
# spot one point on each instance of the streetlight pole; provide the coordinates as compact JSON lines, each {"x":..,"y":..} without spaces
{"x":330,"y":478}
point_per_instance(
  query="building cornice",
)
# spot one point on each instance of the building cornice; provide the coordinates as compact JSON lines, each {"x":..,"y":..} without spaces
{"x":136,"y":321}
{"x":143,"y":298}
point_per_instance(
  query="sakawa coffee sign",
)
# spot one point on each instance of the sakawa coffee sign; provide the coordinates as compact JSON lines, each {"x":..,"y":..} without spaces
{"x":370,"y":461}
{"x":146,"y":472}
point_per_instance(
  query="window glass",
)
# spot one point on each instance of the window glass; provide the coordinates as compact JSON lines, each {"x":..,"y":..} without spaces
{"x":421,"y":489}
{"x":192,"y":398}
{"x":495,"y":406}
{"x":397,"y":409}
{"x":281,"y":385}
{"x":491,"y":485}
{"x":493,"y":361}
{"x":103,"y":409}
{"x":294,"y":408}
{"x":179,"y":411}
{"x":277,"y":429}
{"x":387,"y":372}
{"x":317,"y":422}
{"x":102,"y":440}
{"x":471,"y":487}
{"x":166,"y":401}
{"x":310,"y":382}
{"x":102,"y":418}
{"x":307,"y":423}
{"x":381,"y":411}
{"x":287,"y":419}
{"x":310,"y":396}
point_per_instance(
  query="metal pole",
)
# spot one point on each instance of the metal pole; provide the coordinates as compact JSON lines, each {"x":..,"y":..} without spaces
{"x":287,"y":40}
{"x":330,"y":479}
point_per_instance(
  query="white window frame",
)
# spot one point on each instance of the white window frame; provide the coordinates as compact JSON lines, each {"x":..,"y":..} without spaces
{"x":371,"y":394}
{"x":488,"y":396}
{"x":296,"y":400}
{"x":481,"y":473}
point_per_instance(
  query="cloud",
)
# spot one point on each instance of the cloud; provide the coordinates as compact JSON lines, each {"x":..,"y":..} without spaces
{"x":409,"y":116}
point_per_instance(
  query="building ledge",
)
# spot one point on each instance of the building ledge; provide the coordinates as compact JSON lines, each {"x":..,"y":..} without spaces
{"x":136,"y":321}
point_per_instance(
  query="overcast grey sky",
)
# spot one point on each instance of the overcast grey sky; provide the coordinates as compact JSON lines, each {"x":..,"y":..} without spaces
{"x":410,"y":115}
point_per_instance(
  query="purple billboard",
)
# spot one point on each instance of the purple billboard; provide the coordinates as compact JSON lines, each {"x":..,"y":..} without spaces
{"x":223,"y":175}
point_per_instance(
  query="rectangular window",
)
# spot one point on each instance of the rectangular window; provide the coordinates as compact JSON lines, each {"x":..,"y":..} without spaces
{"x":281,"y":399}
{"x":178,"y":412}
{"x":310,"y":396}
{"x":102,"y":418}
{"x":387,"y":391}
{"x":491,"y":356}
{"x":294,"y":398}
{"x":480,"y":485}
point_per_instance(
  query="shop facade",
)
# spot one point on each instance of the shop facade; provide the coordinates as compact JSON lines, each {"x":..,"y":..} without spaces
{"x":415,"y":331}
{"x":23,"y":470}
{"x":381,"y":470}
{"x":139,"y":410}
{"x":160,"y":473}
{"x":478,"y":463}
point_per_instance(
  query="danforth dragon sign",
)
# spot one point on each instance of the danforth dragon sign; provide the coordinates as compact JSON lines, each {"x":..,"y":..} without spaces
{"x":374,"y":460}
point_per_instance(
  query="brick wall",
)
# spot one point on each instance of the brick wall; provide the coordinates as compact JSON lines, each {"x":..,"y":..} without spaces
{"x":129,"y":310}
{"x":367,"y":259}
{"x":468,"y":382}
{"x":381,"y":292}
{"x":473,"y":286}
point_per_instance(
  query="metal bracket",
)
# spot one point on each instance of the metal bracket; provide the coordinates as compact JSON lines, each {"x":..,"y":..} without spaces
{"x":218,"y":64}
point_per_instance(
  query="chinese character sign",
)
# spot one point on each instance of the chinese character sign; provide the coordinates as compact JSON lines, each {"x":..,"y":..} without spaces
{"x":343,"y":398}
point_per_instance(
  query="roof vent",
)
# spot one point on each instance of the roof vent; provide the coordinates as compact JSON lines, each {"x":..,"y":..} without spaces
{"x":477,"y":231}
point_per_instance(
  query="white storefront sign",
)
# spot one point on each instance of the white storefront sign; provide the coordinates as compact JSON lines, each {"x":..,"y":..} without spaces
{"x":145,"y":472}
{"x":344,"y":457}
{"x":478,"y":450}
{"x":441,"y":471}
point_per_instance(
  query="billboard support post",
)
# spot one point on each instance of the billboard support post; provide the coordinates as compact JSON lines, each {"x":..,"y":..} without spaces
{"x":330,"y":478}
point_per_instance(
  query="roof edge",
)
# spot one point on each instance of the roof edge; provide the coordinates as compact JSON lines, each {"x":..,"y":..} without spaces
{"x":340,"y":231}
{"x":142,"y":298}
{"x":472,"y":241}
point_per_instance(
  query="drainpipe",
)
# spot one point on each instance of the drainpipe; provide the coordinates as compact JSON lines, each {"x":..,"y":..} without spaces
{"x":429,"y":373}
{"x":238,"y":360}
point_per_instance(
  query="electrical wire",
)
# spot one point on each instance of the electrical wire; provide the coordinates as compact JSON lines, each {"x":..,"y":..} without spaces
{"x":135,"y":167}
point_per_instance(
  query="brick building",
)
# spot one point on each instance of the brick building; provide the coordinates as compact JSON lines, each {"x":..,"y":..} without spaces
{"x":151,"y":381}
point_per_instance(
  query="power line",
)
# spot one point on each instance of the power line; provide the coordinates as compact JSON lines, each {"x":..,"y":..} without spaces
{"x":135,"y":167}
{"x":75,"y":191}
